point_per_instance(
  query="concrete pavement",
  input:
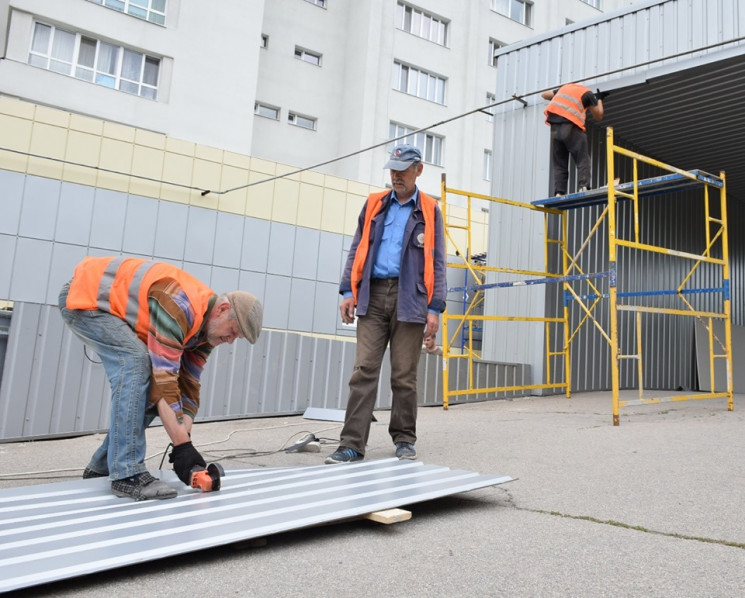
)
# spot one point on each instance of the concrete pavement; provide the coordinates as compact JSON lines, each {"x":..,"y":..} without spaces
{"x":651,"y":508}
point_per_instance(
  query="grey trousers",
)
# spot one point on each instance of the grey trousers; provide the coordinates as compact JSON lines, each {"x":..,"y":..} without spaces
{"x":568,"y":138}
{"x":375,"y":331}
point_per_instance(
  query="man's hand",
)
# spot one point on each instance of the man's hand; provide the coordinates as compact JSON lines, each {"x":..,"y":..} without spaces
{"x":601,"y":95}
{"x":433,"y":324}
{"x":347,"y":310}
{"x":184,"y":457}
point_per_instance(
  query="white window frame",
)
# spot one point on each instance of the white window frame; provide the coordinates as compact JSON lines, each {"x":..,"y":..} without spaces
{"x":151,"y":10}
{"x":417,"y":82}
{"x":487,"y":165}
{"x":490,"y":99}
{"x":267,"y":111}
{"x":319,"y":3}
{"x":494,"y":45}
{"x":83,"y":65}
{"x":308,"y":56}
{"x":422,"y":24}
{"x":517,"y":10}
{"x":302,"y":121}
{"x":593,"y":3}
{"x":428,"y":143}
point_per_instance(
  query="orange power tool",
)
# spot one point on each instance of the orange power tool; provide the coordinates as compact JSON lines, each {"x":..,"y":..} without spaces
{"x":208,"y":480}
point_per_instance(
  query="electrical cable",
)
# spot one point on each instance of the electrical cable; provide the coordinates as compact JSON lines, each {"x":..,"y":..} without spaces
{"x":484,"y":109}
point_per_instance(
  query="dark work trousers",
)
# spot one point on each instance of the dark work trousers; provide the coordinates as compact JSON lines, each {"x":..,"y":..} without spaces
{"x":568,"y":138}
{"x":375,"y":331}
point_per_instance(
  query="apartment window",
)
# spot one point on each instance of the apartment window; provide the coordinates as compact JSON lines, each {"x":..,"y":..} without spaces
{"x":321,"y":3}
{"x":490,"y":99}
{"x":307,"y":122}
{"x":264,"y":41}
{"x":266,"y":111}
{"x":487,"y":165}
{"x":421,"y":24}
{"x":494,"y":45}
{"x":92,"y":60}
{"x":150,"y":10}
{"x":308,"y":56}
{"x":417,"y":82}
{"x":593,"y":3}
{"x":517,"y":10}
{"x":429,"y":144}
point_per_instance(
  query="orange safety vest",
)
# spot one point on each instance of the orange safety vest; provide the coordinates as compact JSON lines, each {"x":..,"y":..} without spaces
{"x":374,"y":203}
{"x":568,"y":103}
{"x":119,"y":286}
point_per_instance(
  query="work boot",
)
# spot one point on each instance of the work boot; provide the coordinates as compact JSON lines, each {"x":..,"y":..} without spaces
{"x":89,"y":473}
{"x":344,"y":454}
{"x":405,"y":450}
{"x":142,"y":486}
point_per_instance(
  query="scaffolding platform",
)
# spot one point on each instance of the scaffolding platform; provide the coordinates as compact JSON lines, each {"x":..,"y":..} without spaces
{"x":62,"y":530}
{"x":658,"y":185}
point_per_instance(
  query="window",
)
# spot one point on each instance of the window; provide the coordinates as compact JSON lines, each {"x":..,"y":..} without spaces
{"x":266,"y":111}
{"x":487,"y":165}
{"x":517,"y":10}
{"x":429,"y":144}
{"x":264,"y":41}
{"x":494,"y":45}
{"x":150,"y":10}
{"x":421,"y":24}
{"x":95,"y":61}
{"x":490,"y":99}
{"x":593,"y":3}
{"x":308,"y":56}
{"x":306,"y":122}
{"x":418,"y":83}
{"x":321,"y":3}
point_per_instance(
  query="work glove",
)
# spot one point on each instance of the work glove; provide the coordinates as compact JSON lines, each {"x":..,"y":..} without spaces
{"x":185,"y":457}
{"x":601,"y":95}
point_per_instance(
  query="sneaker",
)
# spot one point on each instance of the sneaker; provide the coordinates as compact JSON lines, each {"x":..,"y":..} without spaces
{"x":88,"y":473}
{"x":405,"y":450}
{"x":143,"y":486}
{"x":344,"y":454}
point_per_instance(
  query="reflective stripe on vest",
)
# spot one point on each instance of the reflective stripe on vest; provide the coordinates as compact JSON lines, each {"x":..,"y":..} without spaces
{"x":568,"y":103}
{"x":120,"y":286}
{"x":374,"y":203}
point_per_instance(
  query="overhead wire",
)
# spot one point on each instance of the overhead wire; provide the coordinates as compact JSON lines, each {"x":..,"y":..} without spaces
{"x":483,"y":109}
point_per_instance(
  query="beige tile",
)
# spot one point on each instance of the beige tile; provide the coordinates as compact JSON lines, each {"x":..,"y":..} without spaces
{"x":332,"y":211}
{"x":361,"y":188}
{"x":352,"y":210}
{"x":52,"y":116}
{"x":116,"y":156}
{"x":312,"y":177}
{"x":16,"y":132}
{"x":146,"y":162}
{"x":234,"y":202}
{"x":18,"y":108}
{"x":237,"y":160}
{"x":259,"y":197}
{"x":85,"y":124}
{"x":150,"y":139}
{"x":82,"y":148}
{"x":118,"y":132}
{"x":206,"y":175}
{"x":332,"y":182}
{"x":284,"y":170}
{"x":205,"y":152}
{"x":286,"y":197}
{"x":209,"y":200}
{"x":48,"y":141}
{"x":310,"y":206}
{"x":177,"y":169}
{"x":263,"y":166}
{"x":179,"y":146}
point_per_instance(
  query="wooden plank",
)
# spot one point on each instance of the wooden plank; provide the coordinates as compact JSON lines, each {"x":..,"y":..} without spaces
{"x":389,"y":516}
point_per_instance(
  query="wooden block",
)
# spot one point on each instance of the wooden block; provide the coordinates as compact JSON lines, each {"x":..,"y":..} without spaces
{"x":389,"y":516}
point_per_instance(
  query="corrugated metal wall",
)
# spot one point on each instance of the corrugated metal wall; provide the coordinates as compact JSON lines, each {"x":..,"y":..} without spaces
{"x":611,"y":52}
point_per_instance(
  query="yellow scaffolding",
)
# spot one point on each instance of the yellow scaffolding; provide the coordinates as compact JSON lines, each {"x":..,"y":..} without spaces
{"x":716,"y":240}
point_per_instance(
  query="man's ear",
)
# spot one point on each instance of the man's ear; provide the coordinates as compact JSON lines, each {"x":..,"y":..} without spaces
{"x":222,"y":308}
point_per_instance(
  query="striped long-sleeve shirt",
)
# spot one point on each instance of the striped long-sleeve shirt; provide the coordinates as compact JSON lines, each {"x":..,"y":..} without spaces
{"x":177,"y":366}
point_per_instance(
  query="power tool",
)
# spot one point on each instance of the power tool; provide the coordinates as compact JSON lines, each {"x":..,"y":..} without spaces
{"x":207,"y":479}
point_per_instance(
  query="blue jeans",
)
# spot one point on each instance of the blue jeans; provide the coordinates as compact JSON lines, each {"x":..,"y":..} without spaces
{"x":128,"y":368}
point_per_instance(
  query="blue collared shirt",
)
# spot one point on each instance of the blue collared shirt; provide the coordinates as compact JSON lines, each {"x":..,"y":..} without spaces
{"x":388,"y":259}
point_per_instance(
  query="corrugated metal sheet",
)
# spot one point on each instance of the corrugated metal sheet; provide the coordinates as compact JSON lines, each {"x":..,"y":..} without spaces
{"x":676,"y":80}
{"x":51,"y":388}
{"x":68,"y":529}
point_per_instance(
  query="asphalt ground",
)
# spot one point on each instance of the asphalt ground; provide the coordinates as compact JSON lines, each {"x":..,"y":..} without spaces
{"x":654,"y":507}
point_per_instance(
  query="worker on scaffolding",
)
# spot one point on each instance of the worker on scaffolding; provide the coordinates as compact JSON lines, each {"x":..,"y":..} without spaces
{"x":565,"y":114}
{"x":395,"y":276}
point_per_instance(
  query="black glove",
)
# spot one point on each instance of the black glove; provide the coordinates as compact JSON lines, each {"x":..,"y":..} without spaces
{"x":184,"y":457}
{"x":601,"y":95}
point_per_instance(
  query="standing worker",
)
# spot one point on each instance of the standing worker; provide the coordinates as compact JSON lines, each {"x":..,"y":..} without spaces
{"x":566,"y":116}
{"x":153,"y":326}
{"x":395,"y":276}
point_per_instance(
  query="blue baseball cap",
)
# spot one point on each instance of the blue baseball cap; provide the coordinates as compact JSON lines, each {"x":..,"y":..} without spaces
{"x":403,"y":156}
